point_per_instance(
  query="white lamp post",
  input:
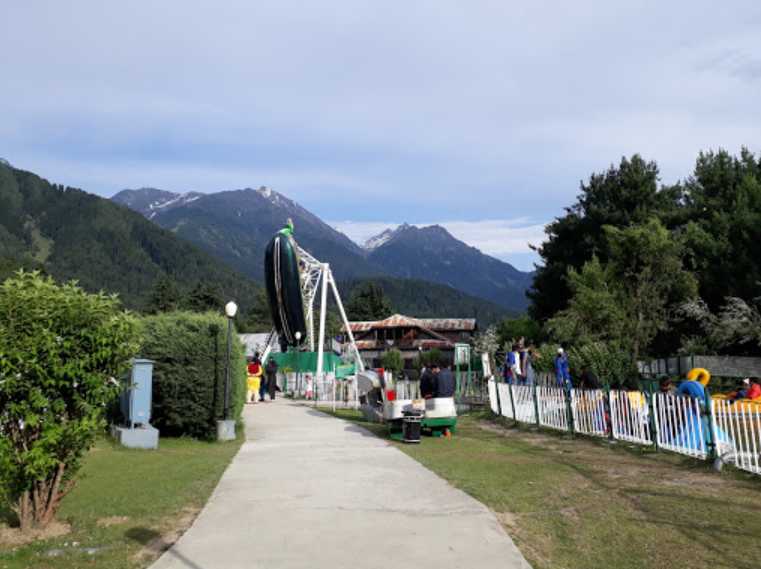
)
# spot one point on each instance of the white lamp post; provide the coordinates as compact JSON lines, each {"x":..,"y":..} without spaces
{"x":226,"y":428}
{"x":298,"y":363}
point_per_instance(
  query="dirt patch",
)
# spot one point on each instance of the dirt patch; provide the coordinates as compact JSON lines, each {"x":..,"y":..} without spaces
{"x":14,"y":537}
{"x":112,"y":521}
{"x":159,"y":542}
{"x":507,"y":519}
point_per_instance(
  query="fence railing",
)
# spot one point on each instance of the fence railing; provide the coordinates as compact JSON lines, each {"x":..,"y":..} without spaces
{"x":711,"y":429}
{"x":589,"y":410}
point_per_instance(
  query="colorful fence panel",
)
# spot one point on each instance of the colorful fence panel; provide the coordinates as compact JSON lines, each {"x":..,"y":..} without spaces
{"x":630,"y":417}
{"x":590,"y":416}
{"x":681,"y":425}
{"x":676,"y":423}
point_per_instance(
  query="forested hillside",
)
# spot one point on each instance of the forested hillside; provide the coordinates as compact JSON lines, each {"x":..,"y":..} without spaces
{"x":71,"y":234}
{"x":422,"y":299}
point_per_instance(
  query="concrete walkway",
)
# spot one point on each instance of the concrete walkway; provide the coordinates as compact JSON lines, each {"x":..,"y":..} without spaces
{"x":310,"y":491}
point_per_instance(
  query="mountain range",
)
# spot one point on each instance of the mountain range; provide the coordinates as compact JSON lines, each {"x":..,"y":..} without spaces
{"x":236,"y":226}
{"x":70,"y":234}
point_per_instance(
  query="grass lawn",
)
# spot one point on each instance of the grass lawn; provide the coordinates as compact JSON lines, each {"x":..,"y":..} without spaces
{"x":128,"y":505}
{"x":582,"y":504}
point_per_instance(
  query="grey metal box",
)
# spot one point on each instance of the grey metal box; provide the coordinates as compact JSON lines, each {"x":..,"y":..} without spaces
{"x":137,"y":399}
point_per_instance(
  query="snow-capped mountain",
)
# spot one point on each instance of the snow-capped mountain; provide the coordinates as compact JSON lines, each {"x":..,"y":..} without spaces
{"x":150,"y":201}
{"x":432,"y":253}
{"x":237,"y":225}
{"x":382,"y":238}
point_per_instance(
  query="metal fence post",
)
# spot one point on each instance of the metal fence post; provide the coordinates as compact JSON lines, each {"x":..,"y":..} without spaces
{"x":651,"y":419}
{"x":499,"y":399}
{"x":536,"y":406}
{"x":609,"y":411}
{"x":512,"y":401}
{"x":569,"y":409}
{"x":710,"y":431}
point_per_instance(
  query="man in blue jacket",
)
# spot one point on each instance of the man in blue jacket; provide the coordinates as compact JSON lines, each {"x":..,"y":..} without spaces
{"x":562,"y":371}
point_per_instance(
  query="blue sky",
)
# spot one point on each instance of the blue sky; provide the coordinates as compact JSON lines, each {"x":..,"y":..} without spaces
{"x":482,"y":116}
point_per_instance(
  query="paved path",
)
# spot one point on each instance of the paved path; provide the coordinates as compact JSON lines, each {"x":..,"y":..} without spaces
{"x":310,"y":491}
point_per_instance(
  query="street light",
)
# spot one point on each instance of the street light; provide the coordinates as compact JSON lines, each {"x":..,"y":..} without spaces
{"x":231,"y":309}
{"x":298,"y":363}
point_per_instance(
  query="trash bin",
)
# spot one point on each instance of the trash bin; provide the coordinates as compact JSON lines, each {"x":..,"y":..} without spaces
{"x":412,"y":425}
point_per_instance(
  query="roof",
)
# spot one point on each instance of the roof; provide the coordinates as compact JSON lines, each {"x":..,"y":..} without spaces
{"x":424,"y":344}
{"x":399,"y":320}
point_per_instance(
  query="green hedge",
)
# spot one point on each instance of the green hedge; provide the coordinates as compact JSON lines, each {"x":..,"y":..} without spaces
{"x":189,"y":374}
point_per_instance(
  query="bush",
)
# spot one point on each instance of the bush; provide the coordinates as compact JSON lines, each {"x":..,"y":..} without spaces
{"x":189,"y":374}
{"x":393,"y":361}
{"x":608,"y":360}
{"x":60,"y":352}
{"x":427,"y":359}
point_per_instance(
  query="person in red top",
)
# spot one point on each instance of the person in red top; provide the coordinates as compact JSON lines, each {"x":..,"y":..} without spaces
{"x":254,"y":370}
{"x":754,"y":391}
{"x":751,"y":389}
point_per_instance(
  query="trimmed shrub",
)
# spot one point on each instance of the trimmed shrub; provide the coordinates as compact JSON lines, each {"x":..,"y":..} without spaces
{"x":189,"y":374}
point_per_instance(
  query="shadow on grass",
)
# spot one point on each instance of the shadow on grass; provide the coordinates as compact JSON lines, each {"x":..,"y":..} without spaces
{"x":154,"y":541}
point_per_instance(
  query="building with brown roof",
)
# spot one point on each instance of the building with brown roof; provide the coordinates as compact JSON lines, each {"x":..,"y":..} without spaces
{"x":411,"y":336}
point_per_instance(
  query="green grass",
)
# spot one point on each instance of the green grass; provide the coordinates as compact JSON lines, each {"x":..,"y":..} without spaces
{"x":152,"y":492}
{"x":581,"y":504}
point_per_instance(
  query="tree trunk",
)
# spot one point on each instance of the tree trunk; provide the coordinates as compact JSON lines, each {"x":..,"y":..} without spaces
{"x":37,"y":507}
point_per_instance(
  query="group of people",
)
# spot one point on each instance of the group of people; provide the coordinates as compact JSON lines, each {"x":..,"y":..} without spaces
{"x":265,"y":375}
{"x":518,"y":368}
{"x":437,"y":381}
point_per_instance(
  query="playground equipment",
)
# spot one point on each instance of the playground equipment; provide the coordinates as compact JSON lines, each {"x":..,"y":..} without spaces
{"x":293,"y":278}
{"x":378,"y":395}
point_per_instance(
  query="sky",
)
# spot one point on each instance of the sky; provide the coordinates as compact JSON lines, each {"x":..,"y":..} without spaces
{"x":482,"y":116}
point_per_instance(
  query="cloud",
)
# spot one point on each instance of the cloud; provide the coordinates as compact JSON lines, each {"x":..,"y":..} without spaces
{"x":365,"y":110}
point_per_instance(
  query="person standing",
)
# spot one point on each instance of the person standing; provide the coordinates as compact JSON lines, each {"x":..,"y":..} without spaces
{"x":270,"y":383}
{"x":562,"y":370}
{"x":445,"y":383}
{"x":428,"y":382}
{"x":514,"y":363}
{"x":254,"y":380}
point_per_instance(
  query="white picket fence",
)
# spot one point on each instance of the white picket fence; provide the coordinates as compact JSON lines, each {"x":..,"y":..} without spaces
{"x":672,"y":422}
{"x":588,"y":411}
{"x":630,"y":416}
{"x":680,"y":425}
{"x":493,"y":397}
{"x":525,"y":407}
{"x":553,"y":409}
{"x":738,"y":434}
{"x":505,"y":399}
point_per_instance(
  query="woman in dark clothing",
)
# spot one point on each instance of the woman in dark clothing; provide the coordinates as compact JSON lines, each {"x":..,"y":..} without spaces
{"x":271,"y":372}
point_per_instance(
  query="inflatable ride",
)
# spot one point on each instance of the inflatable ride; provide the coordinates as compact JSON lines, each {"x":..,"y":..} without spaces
{"x":283,"y":281}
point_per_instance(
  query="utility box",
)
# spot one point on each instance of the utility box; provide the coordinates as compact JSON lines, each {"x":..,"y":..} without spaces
{"x":135,"y":403}
{"x":137,"y":399}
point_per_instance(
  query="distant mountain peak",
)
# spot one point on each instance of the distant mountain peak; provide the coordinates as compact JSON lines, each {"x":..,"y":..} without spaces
{"x":150,"y":201}
{"x":377,"y":240}
{"x":265,"y":192}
